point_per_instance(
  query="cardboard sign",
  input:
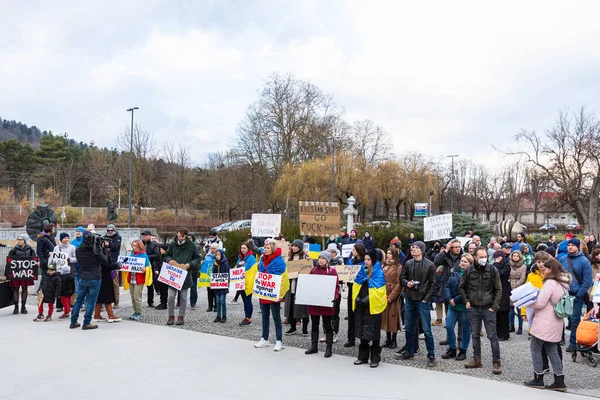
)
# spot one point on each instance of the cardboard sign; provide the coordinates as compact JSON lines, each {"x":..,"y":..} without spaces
{"x":172,"y":276}
{"x":21,"y":268}
{"x":596,"y":292}
{"x":132,"y":264}
{"x":319,"y":218}
{"x":347,"y":250}
{"x":438,"y":227}
{"x":347,"y":273}
{"x":299,"y":267}
{"x":267,"y":286}
{"x":316,"y":290}
{"x":58,"y":259}
{"x":219,"y":281}
{"x":284,"y":245}
{"x":237,"y":279}
{"x":266,"y":225}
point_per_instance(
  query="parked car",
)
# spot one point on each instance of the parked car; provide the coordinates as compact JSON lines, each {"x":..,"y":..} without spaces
{"x":223,"y":227}
{"x":548,"y":226}
{"x":242,"y":224}
{"x":385,"y":224}
{"x":573,"y":225}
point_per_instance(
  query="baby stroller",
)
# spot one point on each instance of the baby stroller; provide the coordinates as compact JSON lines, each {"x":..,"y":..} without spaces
{"x":587,"y":340}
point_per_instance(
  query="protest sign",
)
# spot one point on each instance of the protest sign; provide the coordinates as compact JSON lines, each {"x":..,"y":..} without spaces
{"x":437,"y":227}
{"x":347,"y":273}
{"x":219,"y":280}
{"x":172,"y":276}
{"x":205,"y":272}
{"x":21,"y":268}
{"x":299,"y":267}
{"x":132,"y":264}
{"x":347,"y":250}
{"x":284,"y":245}
{"x":316,"y":290}
{"x":319,"y":218}
{"x":266,"y":225}
{"x":596,"y":298}
{"x":237,"y":279}
{"x":267,"y":286}
{"x":58,"y":259}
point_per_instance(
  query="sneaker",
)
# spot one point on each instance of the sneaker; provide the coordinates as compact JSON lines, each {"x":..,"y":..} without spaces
{"x":431,"y":363}
{"x":304,"y":334}
{"x":278,"y":346}
{"x":437,"y":322}
{"x":291,"y":331}
{"x":232,"y":302}
{"x":64,"y":316}
{"x":160,"y":307}
{"x":116,"y":306}
{"x":39,"y":318}
{"x":335,"y":338}
{"x":571,"y":349}
{"x":323,"y":339}
{"x":246,"y":322}
{"x":75,"y":325}
{"x":117,"y":319}
{"x":132,"y":318}
{"x":422,"y":336}
{"x":217,"y":319}
{"x":82,"y":310}
{"x":48,"y":319}
{"x":193,"y":306}
{"x":262,"y":343}
{"x":89,"y":326}
{"x":100,"y":319}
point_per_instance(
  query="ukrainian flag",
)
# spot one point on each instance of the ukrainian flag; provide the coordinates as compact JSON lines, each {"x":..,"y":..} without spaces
{"x":250,"y":276}
{"x":377,"y":292}
{"x":314,"y":250}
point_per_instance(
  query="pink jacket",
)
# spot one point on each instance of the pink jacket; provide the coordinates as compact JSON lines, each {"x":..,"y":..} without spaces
{"x":546,"y":325}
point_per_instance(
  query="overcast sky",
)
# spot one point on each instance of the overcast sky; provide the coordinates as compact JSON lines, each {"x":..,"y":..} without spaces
{"x":446,"y":77}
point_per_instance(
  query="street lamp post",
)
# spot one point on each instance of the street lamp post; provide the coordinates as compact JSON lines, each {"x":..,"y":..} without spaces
{"x":131,"y":165}
{"x":332,"y":168}
{"x":452,"y":184}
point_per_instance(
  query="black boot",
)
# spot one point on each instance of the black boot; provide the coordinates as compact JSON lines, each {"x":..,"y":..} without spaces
{"x":16,"y":310}
{"x":450,"y":353}
{"x":314,"y":345}
{"x":559,"y":384}
{"x":375,"y":356}
{"x":388,"y":339}
{"x":329,"y":343}
{"x":394,"y":343}
{"x":537,"y":381}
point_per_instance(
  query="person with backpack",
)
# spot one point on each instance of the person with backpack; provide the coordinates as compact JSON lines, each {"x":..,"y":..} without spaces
{"x":576,"y":264}
{"x":547,"y":324}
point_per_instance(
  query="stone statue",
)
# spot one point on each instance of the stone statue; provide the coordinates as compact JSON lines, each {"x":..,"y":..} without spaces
{"x":111,"y":215}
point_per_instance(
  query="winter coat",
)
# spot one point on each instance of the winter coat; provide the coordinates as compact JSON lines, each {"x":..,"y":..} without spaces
{"x":561,"y":250}
{"x":369,"y":242}
{"x":390,"y":318}
{"x":337,"y":260}
{"x":68,"y":285}
{"x":210,"y":241}
{"x":152,"y":251}
{"x":518,"y":274}
{"x":516,"y":247}
{"x":115,"y":247}
{"x":325,"y":311}
{"x":185,"y":253}
{"x":546,"y":325}
{"x":50,"y":286}
{"x":45,"y":245}
{"x":273,"y":264}
{"x":424,"y":272}
{"x":221,"y":267}
{"x":367,"y":326}
{"x":581,"y":273}
{"x":528,"y":259}
{"x":71,"y":253}
{"x":91,"y":264}
{"x":452,"y":289}
{"x":448,"y":263}
{"x":19,"y":251}
{"x":481,"y":287}
{"x":504,"y":271}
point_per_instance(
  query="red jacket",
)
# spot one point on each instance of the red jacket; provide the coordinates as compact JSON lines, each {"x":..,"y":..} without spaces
{"x":325,"y":311}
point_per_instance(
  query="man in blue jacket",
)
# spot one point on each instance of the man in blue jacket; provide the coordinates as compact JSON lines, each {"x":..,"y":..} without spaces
{"x":576,"y":263}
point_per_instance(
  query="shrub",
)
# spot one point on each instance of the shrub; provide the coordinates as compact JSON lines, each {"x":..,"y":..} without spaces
{"x":73,"y":215}
{"x":163,"y":216}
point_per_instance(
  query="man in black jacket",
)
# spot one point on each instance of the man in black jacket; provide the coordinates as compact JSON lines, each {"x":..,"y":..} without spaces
{"x":152,"y":253}
{"x":91,"y":262}
{"x":419,"y":281}
{"x":481,"y":291}
{"x":162,"y":288}
{"x":113,"y":255}
{"x":45,"y":244}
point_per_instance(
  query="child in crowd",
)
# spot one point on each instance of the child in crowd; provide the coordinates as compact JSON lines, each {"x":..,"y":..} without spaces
{"x":67,"y":290}
{"x":221,"y":266}
{"x":49,"y":291}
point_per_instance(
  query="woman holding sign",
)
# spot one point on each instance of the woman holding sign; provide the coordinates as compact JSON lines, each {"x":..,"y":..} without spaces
{"x":22,"y":249}
{"x":271,"y":264}
{"x":294,"y":312}
{"x":219,"y":270}
{"x":247,"y":260}
{"x":135,"y":281}
{"x":358,"y":257}
{"x":369,"y":302}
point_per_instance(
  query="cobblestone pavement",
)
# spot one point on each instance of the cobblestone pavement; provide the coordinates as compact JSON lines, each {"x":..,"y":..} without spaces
{"x":580,"y":378}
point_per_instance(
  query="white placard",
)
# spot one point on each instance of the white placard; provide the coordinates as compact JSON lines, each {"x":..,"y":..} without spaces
{"x":237,"y":279}
{"x":347,"y":250}
{"x":267,"y":286}
{"x":172,"y":276}
{"x":437,"y":227}
{"x":596,"y":292}
{"x":132,"y":264}
{"x":316,"y":290}
{"x":58,"y":259}
{"x":266,"y":225}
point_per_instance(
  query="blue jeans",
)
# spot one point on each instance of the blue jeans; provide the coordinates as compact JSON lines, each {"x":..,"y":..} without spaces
{"x":248,"y":308}
{"x":221,"y":306}
{"x":511,"y":317}
{"x":88,"y":292}
{"x":575,"y":320}
{"x":451,"y":319}
{"x":266,"y":310}
{"x":412,"y":310}
{"x":194,"y":292}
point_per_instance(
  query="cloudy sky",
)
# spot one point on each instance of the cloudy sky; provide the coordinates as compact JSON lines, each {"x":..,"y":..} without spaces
{"x":446,"y":77}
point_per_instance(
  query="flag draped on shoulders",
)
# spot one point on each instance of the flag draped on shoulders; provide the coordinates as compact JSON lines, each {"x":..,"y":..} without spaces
{"x":377,"y":292}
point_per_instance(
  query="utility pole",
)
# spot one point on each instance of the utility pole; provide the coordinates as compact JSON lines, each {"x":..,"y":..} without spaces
{"x":452,"y":184}
{"x":32,"y":196}
{"x":131,"y":165}
{"x":332,"y":169}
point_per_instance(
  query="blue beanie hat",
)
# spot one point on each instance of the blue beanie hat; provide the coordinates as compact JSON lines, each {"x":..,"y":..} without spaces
{"x":64,"y":235}
{"x":80,"y":229}
{"x":575,"y":242}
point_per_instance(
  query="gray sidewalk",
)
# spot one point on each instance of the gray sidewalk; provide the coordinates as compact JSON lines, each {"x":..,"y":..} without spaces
{"x":130,"y":360}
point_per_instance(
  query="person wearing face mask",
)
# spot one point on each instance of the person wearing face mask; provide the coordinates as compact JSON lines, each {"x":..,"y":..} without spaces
{"x":481,"y":290}
{"x":502,"y":322}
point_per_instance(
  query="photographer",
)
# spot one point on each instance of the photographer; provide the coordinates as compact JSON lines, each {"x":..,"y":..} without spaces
{"x":114,"y":247}
{"x":92,"y":262}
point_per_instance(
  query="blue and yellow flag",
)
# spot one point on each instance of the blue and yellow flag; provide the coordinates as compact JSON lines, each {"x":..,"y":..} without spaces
{"x":314,"y":250}
{"x":206,"y":270}
{"x":377,"y":292}
{"x":250,"y":276}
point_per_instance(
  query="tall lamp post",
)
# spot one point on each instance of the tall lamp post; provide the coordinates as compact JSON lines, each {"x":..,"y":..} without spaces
{"x":332,"y":168}
{"x":452,"y":184}
{"x":131,"y":165}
